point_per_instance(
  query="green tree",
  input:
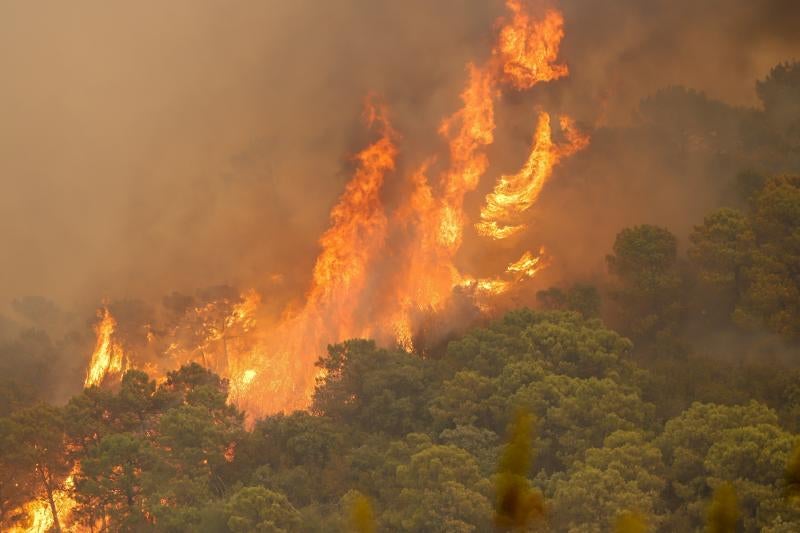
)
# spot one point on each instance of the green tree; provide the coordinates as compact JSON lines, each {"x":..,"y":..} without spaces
{"x":583,"y":299}
{"x":37,"y":442}
{"x":467,"y":398}
{"x":441,"y":489}
{"x":778,"y":93}
{"x":376,"y":389}
{"x":644,"y":260}
{"x":481,"y":443}
{"x":256,"y":509}
{"x":722,"y":248}
{"x":300,"y":455}
{"x":755,"y":458}
{"x":561,"y":342}
{"x":110,"y":485}
{"x":17,"y":480}
{"x":627,"y":472}
{"x":88,"y":418}
{"x":577,"y":414}
{"x":709,"y":444}
{"x":772,"y":295}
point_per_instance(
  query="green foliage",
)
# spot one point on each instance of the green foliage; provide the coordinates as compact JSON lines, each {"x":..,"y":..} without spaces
{"x":449,"y":481}
{"x":721,"y":249}
{"x":256,"y":509}
{"x":419,"y":438}
{"x":691,"y":424}
{"x":149,"y":454}
{"x":111,"y":482}
{"x":772,"y":293}
{"x":36,"y":444}
{"x":583,"y":299}
{"x":709,"y":444}
{"x":644,"y":260}
{"x":367,"y":385}
{"x":17,"y":478}
{"x":627,"y":472}
{"x":746,"y":262}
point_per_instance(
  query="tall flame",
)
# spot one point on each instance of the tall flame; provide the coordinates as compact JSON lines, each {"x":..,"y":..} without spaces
{"x":474,"y":125}
{"x":434,"y":226}
{"x":351,"y":244}
{"x":108,"y":356}
{"x":380,"y":272}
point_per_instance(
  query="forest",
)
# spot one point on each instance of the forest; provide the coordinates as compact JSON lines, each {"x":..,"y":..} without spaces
{"x":662,"y":394}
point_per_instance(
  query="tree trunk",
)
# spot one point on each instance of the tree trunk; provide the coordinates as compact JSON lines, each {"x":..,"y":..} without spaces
{"x":48,"y":488}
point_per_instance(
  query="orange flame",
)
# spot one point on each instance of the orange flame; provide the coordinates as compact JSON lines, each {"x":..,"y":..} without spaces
{"x":378,"y":274}
{"x":527,"y":48}
{"x":358,"y":229}
{"x":526,"y":267}
{"x":40,"y":516}
{"x":515,"y":194}
{"x":108,"y":356}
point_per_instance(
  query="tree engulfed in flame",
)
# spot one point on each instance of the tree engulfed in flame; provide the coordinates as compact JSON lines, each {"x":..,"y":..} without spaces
{"x":40,"y":515}
{"x":379,"y":273}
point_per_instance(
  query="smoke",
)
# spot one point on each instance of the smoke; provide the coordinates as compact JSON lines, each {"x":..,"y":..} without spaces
{"x":149,"y":147}
{"x":625,"y":50}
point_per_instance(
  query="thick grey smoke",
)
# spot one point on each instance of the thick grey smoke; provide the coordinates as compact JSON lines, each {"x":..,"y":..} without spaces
{"x":150,"y":146}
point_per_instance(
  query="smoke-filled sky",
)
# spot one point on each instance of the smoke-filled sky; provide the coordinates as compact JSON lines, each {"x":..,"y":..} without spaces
{"x":153,"y":146}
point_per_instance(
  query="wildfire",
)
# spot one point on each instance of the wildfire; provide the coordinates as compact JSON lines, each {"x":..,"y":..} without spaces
{"x":515,"y":194}
{"x":475,"y":130}
{"x":380,"y":271}
{"x":286,"y":356}
{"x":528,"y":48}
{"x":108,"y":356}
{"x":433,"y":224}
{"x":526,"y":266}
{"x":40,"y":516}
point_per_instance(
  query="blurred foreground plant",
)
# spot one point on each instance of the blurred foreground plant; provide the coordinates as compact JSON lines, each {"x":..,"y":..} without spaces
{"x":517,"y":504}
{"x":723,"y":513}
